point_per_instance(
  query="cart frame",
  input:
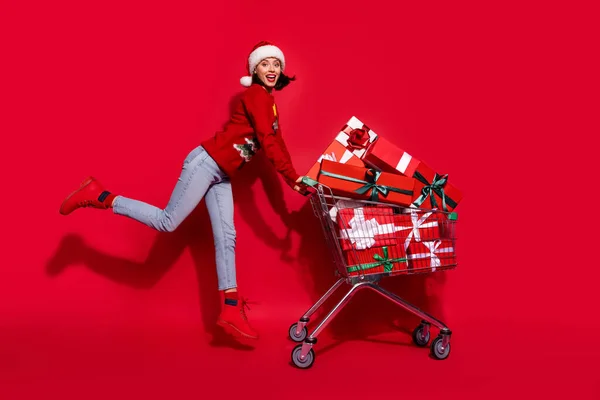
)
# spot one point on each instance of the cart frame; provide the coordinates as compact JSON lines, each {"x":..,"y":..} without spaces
{"x":303,"y":355}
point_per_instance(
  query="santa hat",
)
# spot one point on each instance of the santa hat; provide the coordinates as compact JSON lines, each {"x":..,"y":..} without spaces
{"x":261,"y":51}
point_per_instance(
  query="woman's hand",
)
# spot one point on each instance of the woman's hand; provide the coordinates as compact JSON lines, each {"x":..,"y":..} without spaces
{"x":301,"y":187}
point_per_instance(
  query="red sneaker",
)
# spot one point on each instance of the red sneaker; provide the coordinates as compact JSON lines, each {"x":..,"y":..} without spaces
{"x":234,"y":320}
{"x":90,"y":194}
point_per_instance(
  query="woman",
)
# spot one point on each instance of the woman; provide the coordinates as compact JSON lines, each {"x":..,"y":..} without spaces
{"x":206,"y":173}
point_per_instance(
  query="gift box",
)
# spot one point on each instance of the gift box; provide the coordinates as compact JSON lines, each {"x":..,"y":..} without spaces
{"x":387,"y":157}
{"x":366,"y":227}
{"x":417,"y":226}
{"x":366,"y":184}
{"x":385,"y":259}
{"x":429,"y":256}
{"x":432,"y":190}
{"x":360,"y":137}
{"x":336,"y":152}
{"x":349,"y":147}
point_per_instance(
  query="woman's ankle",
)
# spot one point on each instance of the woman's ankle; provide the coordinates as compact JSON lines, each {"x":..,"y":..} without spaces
{"x":112,"y":203}
{"x":231,"y":297}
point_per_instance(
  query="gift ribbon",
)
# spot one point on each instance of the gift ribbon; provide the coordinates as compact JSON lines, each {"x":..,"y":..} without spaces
{"x":362,"y":234}
{"x":363,"y":231}
{"x":433,"y":251}
{"x":327,"y":156}
{"x":418,"y":223}
{"x":370,"y":184}
{"x":358,"y":138}
{"x":437,"y":187}
{"x":332,"y":157}
{"x":343,"y":204}
{"x":386,"y":261}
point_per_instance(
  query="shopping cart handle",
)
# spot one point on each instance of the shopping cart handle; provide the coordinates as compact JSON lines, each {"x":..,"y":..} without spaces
{"x":309,"y":181}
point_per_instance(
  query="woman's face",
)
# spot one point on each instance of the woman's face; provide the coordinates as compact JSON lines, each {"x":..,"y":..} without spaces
{"x":268,"y":71}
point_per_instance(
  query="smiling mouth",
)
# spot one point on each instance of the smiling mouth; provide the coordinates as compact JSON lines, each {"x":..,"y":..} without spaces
{"x":271,"y":77}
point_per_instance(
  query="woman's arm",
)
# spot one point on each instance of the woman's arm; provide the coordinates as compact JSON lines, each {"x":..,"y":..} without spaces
{"x":262,"y":117}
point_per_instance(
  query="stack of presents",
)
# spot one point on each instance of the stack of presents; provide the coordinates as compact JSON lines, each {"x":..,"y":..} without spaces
{"x":404,"y":220}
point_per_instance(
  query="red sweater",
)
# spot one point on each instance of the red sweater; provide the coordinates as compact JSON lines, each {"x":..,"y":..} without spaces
{"x":253,"y":125}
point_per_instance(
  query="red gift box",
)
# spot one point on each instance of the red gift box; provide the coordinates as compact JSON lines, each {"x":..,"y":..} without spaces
{"x":387,"y":157}
{"x":336,"y":152}
{"x":417,"y":226}
{"x":432,"y":190}
{"x":349,"y":146}
{"x":366,"y":184}
{"x":365,"y":227}
{"x":429,"y":256}
{"x":375,"y":261}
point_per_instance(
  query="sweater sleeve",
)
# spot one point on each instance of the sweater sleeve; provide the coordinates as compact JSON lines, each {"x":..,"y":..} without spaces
{"x":262,"y":116}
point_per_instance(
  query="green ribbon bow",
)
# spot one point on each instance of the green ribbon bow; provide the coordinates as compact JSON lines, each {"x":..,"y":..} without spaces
{"x":437,"y":187}
{"x":388,"y":264}
{"x":370,"y":184}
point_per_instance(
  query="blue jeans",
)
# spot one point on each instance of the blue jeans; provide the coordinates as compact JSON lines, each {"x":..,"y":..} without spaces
{"x":200,"y":178}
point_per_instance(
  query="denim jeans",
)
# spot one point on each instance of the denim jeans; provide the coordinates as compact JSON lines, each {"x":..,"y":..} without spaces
{"x":200,"y":178}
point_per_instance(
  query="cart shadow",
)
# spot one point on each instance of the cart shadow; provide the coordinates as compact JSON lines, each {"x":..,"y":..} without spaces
{"x":339,"y":342}
{"x":333,"y":344}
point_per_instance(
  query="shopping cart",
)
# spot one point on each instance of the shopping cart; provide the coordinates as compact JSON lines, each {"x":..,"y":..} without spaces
{"x":362,"y":269}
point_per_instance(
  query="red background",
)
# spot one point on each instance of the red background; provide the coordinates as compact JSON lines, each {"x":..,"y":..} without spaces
{"x":95,"y":306}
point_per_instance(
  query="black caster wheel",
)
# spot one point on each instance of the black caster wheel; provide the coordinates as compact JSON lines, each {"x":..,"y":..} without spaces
{"x":299,"y":337}
{"x":418,"y":337}
{"x":436,"y":349}
{"x":308,"y":360}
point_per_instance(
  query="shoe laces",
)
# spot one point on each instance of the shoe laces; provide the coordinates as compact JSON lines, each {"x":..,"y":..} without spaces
{"x":85,"y":203}
{"x":243,"y":305}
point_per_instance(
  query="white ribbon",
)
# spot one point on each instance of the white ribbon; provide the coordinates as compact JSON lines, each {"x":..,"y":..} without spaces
{"x":343,"y":204}
{"x":362,"y":232}
{"x":417,"y":223}
{"x":433,"y":251}
{"x":330,"y":157}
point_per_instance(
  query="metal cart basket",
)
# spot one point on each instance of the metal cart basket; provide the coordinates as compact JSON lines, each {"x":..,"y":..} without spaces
{"x":361,"y":267}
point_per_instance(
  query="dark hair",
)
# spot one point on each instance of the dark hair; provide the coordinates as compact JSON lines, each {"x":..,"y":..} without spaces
{"x":282,"y":82}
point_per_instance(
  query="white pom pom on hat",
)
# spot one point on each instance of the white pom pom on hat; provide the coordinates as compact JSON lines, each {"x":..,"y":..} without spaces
{"x":259,"y":52}
{"x":246,"y":81}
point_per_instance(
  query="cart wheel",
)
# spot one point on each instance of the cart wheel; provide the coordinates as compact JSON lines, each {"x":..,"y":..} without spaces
{"x":301,"y":336}
{"x":308,"y":360}
{"x":418,"y":336}
{"x":436,"y":349}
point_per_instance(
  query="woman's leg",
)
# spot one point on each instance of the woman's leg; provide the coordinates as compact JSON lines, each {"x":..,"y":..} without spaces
{"x":198,"y":172}
{"x":197,"y":175}
{"x":219,"y":201}
{"x":200,"y":176}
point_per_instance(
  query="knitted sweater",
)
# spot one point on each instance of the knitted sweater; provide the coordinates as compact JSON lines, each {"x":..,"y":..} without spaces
{"x":254,"y":125}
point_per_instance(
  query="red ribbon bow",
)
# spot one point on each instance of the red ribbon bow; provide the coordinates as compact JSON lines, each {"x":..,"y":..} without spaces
{"x":358,"y":138}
